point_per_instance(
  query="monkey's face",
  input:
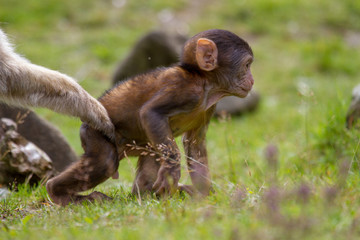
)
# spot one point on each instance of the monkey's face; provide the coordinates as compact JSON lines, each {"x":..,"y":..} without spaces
{"x":242,"y":81}
{"x":224,"y":57}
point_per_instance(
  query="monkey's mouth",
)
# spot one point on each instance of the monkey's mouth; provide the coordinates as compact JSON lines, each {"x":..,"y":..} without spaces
{"x":246,"y":89}
{"x":241,"y":94}
{"x":242,"y":91}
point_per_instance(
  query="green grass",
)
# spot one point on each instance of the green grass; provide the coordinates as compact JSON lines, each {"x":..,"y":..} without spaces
{"x":306,"y":64}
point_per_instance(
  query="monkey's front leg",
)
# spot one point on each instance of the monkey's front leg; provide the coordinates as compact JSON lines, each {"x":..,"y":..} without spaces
{"x":196,"y":156}
{"x":159,"y":133}
{"x":146,"y":175}
{"x":169,"y":172}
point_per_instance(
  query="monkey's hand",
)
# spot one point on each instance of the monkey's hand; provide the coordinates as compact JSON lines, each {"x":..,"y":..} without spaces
{"x":167,"y":178}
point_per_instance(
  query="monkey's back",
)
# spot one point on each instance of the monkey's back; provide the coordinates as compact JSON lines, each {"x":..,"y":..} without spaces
{"x":125,"y":101}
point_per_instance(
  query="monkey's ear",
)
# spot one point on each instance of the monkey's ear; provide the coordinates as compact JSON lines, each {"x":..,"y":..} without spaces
{"x":206,"y":54}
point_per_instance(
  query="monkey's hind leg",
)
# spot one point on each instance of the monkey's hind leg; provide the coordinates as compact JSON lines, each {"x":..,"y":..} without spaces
{"x":99,"y":162}
{"x":146,"y":174}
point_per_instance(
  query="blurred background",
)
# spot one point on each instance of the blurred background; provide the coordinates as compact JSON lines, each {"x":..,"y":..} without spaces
{"x":306,"y":64}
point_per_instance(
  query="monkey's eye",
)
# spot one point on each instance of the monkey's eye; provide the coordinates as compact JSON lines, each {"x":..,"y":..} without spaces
{"x":248,"y":63}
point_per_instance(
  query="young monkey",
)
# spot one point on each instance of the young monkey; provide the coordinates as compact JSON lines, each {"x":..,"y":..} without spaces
{"x":150,"y":110}
{"x":25,"y":84}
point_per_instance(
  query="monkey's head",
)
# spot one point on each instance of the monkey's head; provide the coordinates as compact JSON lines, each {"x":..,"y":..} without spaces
{"x":223,"y":57}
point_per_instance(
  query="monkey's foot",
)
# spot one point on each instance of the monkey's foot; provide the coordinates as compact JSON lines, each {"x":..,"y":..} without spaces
{"x":189,"y":189}
{"x":94,"y":196}
{"x":64,"y":200}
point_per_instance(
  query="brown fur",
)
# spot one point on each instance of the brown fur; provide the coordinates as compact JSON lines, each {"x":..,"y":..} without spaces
{"x":25,"y":84}
{"x":150,"y":110}
{"x":161,"y":49}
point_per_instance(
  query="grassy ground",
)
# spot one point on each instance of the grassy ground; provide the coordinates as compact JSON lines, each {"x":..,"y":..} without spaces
{"x":307,"y":61}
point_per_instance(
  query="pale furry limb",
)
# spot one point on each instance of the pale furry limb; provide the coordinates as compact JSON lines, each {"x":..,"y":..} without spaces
{"x":25,"y":84}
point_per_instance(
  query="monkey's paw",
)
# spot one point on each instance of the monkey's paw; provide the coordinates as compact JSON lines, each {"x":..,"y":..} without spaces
{"x":167,"y":180}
